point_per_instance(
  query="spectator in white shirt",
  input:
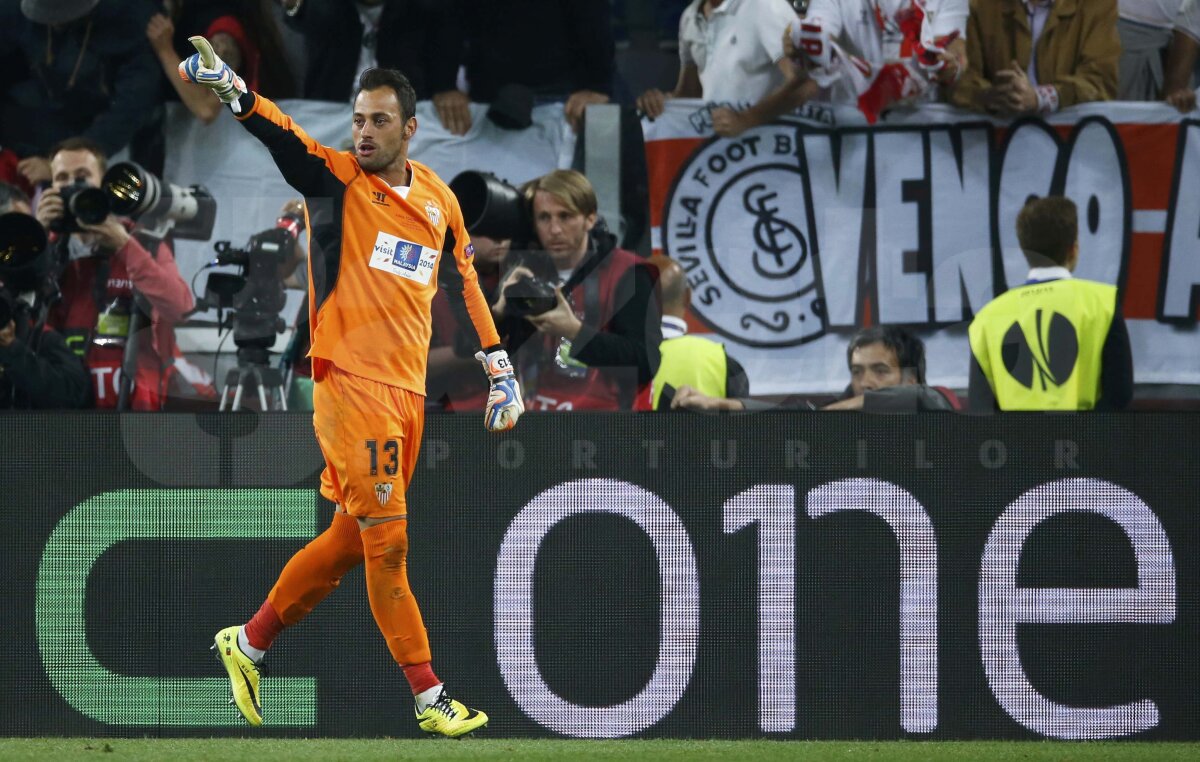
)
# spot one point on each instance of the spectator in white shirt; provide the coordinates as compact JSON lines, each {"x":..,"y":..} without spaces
{"x":731,"y":54}
{"x":875,"y":53}
{"x":1181,"y":58}
{"x":1151,"y":31}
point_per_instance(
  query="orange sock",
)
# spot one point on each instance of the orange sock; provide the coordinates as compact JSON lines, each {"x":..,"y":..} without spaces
{"x":316,"y":570}
{"x":385,"y":552}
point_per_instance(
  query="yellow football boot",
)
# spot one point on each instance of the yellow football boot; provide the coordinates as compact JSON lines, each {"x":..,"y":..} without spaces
{"x":244,"y":674}
{"x":450,"y":718}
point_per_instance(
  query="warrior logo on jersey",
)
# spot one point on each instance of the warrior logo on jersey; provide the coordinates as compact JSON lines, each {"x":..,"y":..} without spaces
{"x":435,"y":214}
{"x":383,"y":492}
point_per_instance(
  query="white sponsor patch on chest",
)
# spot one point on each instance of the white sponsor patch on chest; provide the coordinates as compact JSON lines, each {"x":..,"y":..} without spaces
{"x":404,"y":258}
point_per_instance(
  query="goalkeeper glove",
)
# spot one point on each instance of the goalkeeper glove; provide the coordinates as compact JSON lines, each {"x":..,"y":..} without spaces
{"x":204,"y":67}
{"x":504,"y":405}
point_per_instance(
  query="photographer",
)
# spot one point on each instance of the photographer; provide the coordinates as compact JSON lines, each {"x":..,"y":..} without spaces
{"x":37,"y":370}
{"x":109,"y":280}
{"x":597,"y":347}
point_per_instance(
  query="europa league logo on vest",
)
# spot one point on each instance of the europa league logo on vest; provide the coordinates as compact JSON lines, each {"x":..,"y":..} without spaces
{"x":1051,"y":361}
{"x":739,"y":222}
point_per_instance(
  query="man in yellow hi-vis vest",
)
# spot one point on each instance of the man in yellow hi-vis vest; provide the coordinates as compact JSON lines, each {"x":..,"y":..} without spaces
{"x":691,"y":362}
{"x":1055,"y":342}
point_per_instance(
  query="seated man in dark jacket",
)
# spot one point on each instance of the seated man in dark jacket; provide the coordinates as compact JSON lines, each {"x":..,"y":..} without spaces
{"x":887,"y":375}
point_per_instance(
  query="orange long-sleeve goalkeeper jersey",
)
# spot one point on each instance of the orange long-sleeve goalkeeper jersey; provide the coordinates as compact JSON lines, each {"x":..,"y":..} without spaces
{"x":374,"y":256}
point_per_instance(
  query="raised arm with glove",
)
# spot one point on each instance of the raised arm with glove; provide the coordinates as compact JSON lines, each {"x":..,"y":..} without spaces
{"x":206,"y":68}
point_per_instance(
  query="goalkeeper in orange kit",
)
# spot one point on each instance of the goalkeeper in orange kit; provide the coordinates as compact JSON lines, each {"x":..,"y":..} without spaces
{"x":384,"y":226}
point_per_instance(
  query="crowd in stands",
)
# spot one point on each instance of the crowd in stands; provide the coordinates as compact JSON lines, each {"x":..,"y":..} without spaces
{"x":84,"y":80}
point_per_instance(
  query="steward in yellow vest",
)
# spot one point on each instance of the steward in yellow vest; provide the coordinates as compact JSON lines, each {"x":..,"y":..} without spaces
{"x":1053,"y":343}
{"x":696,"y":362}
{"x":691,"y":361}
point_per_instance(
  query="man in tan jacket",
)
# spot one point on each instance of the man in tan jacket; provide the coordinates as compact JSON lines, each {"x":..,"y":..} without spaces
{"x":1037,"y":56}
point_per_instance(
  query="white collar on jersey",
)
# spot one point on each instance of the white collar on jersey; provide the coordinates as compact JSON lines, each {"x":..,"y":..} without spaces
{"x":403,"y":190}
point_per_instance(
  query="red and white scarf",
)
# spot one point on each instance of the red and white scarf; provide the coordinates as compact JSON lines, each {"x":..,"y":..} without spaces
{"x":911,"y":55}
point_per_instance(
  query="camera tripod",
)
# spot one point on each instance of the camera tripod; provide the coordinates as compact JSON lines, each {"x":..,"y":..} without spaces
{"x":254,"y":373}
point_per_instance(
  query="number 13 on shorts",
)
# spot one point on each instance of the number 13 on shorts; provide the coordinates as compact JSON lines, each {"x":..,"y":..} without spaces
{"x":391,"y":456}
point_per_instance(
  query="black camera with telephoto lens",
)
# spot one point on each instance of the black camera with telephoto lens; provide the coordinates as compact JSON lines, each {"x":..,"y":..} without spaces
{"x":24,"y":262}
{"x":82,"y":203}
{"x":159,"y":207}
{"x":493,"y":208}
{"x":129,"y":190}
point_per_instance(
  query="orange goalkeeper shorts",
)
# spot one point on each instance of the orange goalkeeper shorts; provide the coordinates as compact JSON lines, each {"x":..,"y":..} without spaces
{"x":370,"y":435}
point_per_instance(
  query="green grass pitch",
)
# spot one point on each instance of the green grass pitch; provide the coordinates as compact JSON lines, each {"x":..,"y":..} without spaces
{"x":327,"y":750}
